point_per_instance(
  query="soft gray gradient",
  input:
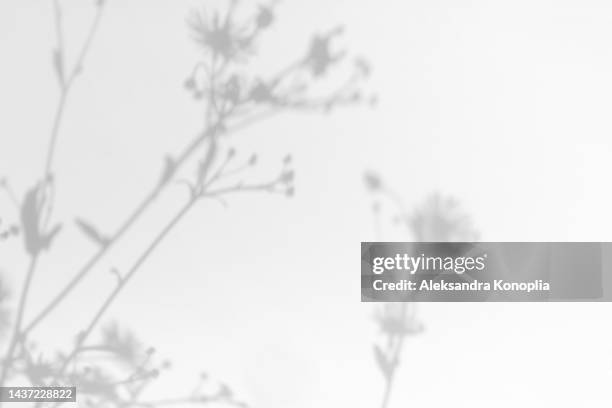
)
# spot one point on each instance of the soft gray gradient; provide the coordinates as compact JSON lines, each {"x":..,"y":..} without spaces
{"x":502,"y":105}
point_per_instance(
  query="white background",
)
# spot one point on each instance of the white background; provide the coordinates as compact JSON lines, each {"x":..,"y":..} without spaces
{"x":503,"y":105}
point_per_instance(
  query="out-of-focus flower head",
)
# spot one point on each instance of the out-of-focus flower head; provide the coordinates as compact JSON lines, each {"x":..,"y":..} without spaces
{"x":38,"y":370}
{"x":221,"y":36}
{"x":122,"y":343}
{"x":440,"y":219}
{"x":261,"y":92}
{"x":372,"y":181}
{"x":265,"y":17}
{"x":320,"y":56}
